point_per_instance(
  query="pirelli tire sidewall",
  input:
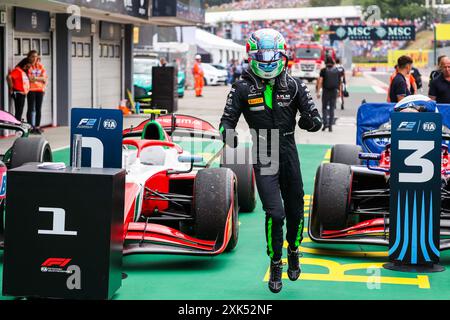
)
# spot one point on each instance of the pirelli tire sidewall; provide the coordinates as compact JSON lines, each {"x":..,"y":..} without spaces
{"x":31,"y":149}
{"x":346,"y":154}
{"x":331,"y":195}
{"x":214,"y":195}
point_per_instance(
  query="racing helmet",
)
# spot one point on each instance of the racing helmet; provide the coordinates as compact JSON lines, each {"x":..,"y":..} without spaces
{"x":416,"y":102}
{"x":266,"y":49}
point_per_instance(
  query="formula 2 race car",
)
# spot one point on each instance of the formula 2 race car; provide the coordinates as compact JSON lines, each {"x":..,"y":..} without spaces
{"x":24,"y":149}
{"x":174,"y":203}
{"x":351,"y":194}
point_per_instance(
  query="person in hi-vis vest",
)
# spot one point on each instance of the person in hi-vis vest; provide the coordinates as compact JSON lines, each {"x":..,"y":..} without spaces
{"x":199,"y":75}
{"x":19,"y":86}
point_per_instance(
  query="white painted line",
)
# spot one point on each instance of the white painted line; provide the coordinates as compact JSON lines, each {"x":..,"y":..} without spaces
{"x":59,"y":149}
{"x":380,"y":90}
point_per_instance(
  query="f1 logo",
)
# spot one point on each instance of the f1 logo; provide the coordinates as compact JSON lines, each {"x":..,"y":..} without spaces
{"x":59,"y":223}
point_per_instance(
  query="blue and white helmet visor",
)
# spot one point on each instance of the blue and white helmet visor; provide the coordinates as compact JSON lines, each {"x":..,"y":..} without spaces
{"x":267,"y":56}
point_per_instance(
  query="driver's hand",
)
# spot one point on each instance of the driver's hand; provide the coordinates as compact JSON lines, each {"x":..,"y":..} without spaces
{"x":230,"y":138}
{"x":310,"y":122}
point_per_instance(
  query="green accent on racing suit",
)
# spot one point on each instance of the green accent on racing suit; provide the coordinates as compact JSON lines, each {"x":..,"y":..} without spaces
{"x":269,"y":238}
{"x":268,"y":95}
{"x":299,"y":239}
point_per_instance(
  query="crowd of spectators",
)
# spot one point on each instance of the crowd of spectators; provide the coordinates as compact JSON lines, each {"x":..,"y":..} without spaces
{"x":296,"y":31}
{"x":258,"y":4}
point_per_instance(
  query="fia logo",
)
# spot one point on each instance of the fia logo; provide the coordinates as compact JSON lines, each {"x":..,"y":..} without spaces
{"x":109,"y":124}
{"x":429,"y":126}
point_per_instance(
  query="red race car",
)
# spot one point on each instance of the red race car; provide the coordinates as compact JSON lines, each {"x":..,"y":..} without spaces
{"x":174,"y":202}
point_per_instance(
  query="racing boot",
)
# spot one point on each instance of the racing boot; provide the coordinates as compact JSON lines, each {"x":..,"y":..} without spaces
{"x":294,"y":264}
{"x":276,"y":273}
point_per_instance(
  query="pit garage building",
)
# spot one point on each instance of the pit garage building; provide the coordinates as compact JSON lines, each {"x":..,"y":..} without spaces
{"x":86,"y":47}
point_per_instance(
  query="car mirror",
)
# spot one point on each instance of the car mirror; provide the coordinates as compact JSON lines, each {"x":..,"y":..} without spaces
{"x":190,"y":159}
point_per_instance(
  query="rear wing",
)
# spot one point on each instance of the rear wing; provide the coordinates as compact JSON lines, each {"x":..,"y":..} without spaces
{"x":182,"y":124}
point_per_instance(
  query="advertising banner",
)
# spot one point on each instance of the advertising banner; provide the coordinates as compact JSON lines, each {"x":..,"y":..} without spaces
{"x":420,"y":57}
{"x":415,"y":185}
{"x":134,"y":8}
{"x":443,"y":32}
{"x":28,"y":20}
{"x":101,"y":130}
{"x":186,"y":10}
{"x":388,"y":32}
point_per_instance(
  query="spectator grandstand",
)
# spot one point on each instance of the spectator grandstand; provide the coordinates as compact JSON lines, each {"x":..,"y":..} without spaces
{"x":312,"y":28}
{"x":256,"y":4}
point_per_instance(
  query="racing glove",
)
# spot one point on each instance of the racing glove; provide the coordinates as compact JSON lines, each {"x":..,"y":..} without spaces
{"x":310,"y":121}
{"x":229,"y":137}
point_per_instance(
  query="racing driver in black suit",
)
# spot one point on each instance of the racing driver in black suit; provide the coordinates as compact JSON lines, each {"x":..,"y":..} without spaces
{"x":269,"y":99}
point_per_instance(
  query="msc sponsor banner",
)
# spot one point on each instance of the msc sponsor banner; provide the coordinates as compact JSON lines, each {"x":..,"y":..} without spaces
{"x":415,"y":184}
{"x":101,"y":130}
{"x":135,"y":8}
{"x":443,"y":32}
{"x":389,"y":33}
{"x":420,"y":57}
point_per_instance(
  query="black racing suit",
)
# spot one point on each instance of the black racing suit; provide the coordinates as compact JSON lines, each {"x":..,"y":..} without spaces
{"x":289,"y":95}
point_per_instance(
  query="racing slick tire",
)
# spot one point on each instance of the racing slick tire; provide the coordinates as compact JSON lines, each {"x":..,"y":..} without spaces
{"x":214,"y":193}
{"x":245,"y":176}
{"x":32,"y":149}
{"x":346,"y":154}
{"x":331,"y":195}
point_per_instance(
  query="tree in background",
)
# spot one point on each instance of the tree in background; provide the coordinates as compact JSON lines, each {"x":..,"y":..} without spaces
{"x":324,"y":3}
{"x":402,"y":9}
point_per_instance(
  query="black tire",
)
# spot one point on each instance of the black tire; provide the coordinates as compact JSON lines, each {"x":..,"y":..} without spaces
{"x":245,"y":179}
{"x":214,"y":190}
{"x":331,"y":195}
{"x":346,"y":154}
{"x":32,"y":149}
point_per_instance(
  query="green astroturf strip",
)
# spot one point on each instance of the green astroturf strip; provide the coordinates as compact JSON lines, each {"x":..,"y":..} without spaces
{"x":329,"y":271}
{"x":361,"y":89}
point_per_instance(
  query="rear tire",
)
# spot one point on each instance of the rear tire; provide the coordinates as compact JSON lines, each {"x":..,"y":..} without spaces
{"x":346,"y":154}
{"x":331,"y":195}
{"x":245,"y":179}
{"x":32,"y":149}
{"x":214,"y":194}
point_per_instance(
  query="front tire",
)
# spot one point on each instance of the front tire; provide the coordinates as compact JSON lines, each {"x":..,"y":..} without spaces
{"x":214,"y":195}
{"x":331,"y":195}
{"x":346,"y":154}
{"x":32,"y":149}
{"x":245,"y":176}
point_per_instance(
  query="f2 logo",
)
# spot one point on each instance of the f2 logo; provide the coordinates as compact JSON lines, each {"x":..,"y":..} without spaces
{"x":59,"y":223}
{"x":421,"y":148}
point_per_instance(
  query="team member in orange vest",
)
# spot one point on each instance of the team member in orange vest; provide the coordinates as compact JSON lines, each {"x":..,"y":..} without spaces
{"x":38,"y":82}
{"x":19,"y":86}
{"x":199,"y":75}
{"x":412,"y":83}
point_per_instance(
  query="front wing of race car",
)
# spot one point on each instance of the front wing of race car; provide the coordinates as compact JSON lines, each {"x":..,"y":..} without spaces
{"x":151,"y":238}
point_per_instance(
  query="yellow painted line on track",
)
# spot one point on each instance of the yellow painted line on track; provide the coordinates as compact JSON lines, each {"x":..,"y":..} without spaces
{"x":336,"y":273}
